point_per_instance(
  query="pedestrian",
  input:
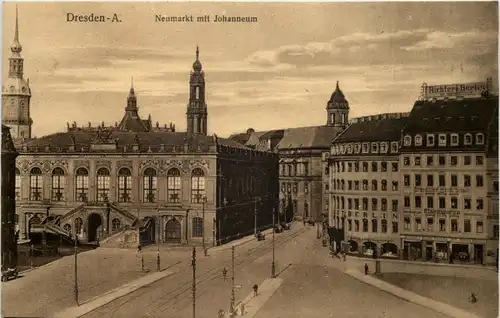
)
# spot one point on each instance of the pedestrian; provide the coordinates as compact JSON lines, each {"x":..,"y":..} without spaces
{"x":221,"y":313}
{"x":366,"y":269}
{"x":139,"y":248}
{"x":472,"y":298}
{"x":224,"y":273}
{"x":344,"y":255}
{"x":205,"y":251}
{"x":255,"y":290}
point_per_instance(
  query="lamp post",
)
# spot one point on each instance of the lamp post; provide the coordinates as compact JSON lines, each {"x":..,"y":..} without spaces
{"x":273,"y":266}
{"x":203,"y":201}
{"x":76,"y":270}
{"x":255,"y":216}
{"x":108,"y":212}
{"x":233,"y":296}
{"x":158,"y":239}
{"x":187,"y":215}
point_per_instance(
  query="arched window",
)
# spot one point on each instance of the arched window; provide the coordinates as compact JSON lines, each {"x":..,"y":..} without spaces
{"x":58,"y":181}
{"x":365,"y":185}
{"x":365,"y":225}
{"x":384,"y":185}
{"x":374,"y":185}
{"x":124,"y":185}
{"x":149,"y":185}
{"x":18,"y":184}
{"x":197,"y":227}
{"x":197,"y":185}
{"x":197,"y":89}
{"x":173,"y":185}
{"x":82,"y":185}
{"x":103,"y":185}
{"x":374,"y":225}
{"x":36,"y":184}
{"x":115,"y":225}
{"x":384,"y":226}
{"x":67,"y":228}
{"x":78,"y":225}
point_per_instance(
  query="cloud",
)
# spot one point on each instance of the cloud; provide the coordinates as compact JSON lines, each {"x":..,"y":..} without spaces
{"x":443,"y":40}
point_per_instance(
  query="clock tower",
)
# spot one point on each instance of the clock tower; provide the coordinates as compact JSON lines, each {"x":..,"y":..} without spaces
{"x":16,"y":93}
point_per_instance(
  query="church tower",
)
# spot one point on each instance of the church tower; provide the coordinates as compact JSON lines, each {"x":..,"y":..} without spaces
{"x":16,"y":93}
{"x":197,"y":108}
{"x":337,"y":109}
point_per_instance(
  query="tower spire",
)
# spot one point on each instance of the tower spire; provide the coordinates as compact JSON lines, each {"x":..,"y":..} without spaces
{"x":132,"y":82}
{"x":197,"y":53}
{"x":16,"y":46}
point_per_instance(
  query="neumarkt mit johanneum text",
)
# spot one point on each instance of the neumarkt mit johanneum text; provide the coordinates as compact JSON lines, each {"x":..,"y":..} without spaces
{"x":206,"y":18}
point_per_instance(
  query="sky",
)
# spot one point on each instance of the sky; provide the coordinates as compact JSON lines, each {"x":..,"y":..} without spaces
{"x":276,"y":73}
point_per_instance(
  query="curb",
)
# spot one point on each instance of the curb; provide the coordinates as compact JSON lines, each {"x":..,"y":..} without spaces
{"x":104,"y":299}
{"x":266,"y":290}
{"x":411,"y":296}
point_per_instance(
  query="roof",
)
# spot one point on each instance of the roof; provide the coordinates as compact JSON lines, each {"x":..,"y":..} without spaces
{"x":133,"y":123}
{"x":385,"y":129}
{"x":254,"y":138}
{"x":242,"y":138}
{"x":114,"y":140}
{"x":308,"y":137}
{"x":451,"y":115}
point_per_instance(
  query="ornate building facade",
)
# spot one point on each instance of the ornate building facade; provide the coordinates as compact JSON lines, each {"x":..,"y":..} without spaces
{"x":301,"y":150}
{"x":9,"y":235}
{"x":94,"y":182}
{"x":441,"y":164}
{"x":365,"y":186}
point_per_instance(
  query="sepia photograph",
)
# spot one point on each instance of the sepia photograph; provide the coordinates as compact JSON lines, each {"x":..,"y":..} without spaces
{"x":257,"y":159}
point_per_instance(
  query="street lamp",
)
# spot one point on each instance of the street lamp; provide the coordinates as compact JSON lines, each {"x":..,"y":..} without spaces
{"x":76,"y":270}
{"x":273,"y":266}
{"x":187,"y":215}
{"x":203,"y":201}
{"x":158,"y":239}
{"x":255,"y":216}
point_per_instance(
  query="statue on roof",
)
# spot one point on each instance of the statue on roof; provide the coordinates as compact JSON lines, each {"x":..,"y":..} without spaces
{"x":103,"y":136}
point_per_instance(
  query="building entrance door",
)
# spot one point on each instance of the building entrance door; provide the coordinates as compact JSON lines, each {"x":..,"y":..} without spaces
{"x":173,"y":231}
{"x":478,"y":254}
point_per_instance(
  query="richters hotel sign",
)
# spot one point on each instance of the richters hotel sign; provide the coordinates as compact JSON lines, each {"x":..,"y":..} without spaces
{"x":466,"y":90}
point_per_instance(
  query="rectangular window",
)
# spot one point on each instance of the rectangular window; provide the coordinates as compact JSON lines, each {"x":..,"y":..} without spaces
{"x":479,"y":160}
{"x":395,"y":186}
{"x":418,"y":202}
{"x":467,"y":160}
{"x":395,"y":227}
{"x":467,"y":204}
{"x":406,"y":161}
{"x":356,"y":166}
{"x":442,"y":160}
{"x":394,"y":205}
{"x":442,"y":140}
{"x":374,"y":166}
{"x":18,"y":185}
{"x":454,"y":225}
{"x":467,"y":226}
{"x":356,"y":185}
{"x":430,"y":160}
{"x":406,"y":180}
{"x":442,"y":225}
{"x":349,"y":185}
{"x":407,"y":202}
{"x":394,"y":167}
{"x":418,"y":180}
{"x":453,"y":160}
{"x":454,"y":180}
{"x":442,"y":180}
{"x":430,"y":202}
{"x":418,"y":224}
{"x":442,"y":202}
{"x":365,"y":166}
{"x":479,"y":227}
{"x":430,"y":180}
{"x":479,"y":180}
{"x":407,"y":224}
{"x":467,"y":181}
{"x":349,"y":167}
{"x":454,"y":203}
{"x":430,"y":224}
{"x":417,"y":161}
{"x":479,"y":204}
{"x":349,"y":225}
{"x":495,"y":231}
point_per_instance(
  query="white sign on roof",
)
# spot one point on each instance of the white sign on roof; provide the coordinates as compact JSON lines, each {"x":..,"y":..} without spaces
{"x":465,"y":90}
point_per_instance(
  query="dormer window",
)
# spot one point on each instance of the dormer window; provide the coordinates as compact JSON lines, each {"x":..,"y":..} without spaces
{"x":383,"y":147}
{"x":357,"y":148}
{"x":442,"y":140}
{"x":454,"y":140}
{"x":394,"y":147}
{"x":479,"y":139}
{"x":407,"y":141}
{"x":468,"y":139}
{"x":418,"y":140}
{"x":349,"y":148}
{"x":430,"y":140}
{"x":374,"y":147}
{"x":365,"y":148}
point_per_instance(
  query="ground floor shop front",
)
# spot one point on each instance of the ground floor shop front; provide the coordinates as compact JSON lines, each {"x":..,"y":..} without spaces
{"x":444,"y":249}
